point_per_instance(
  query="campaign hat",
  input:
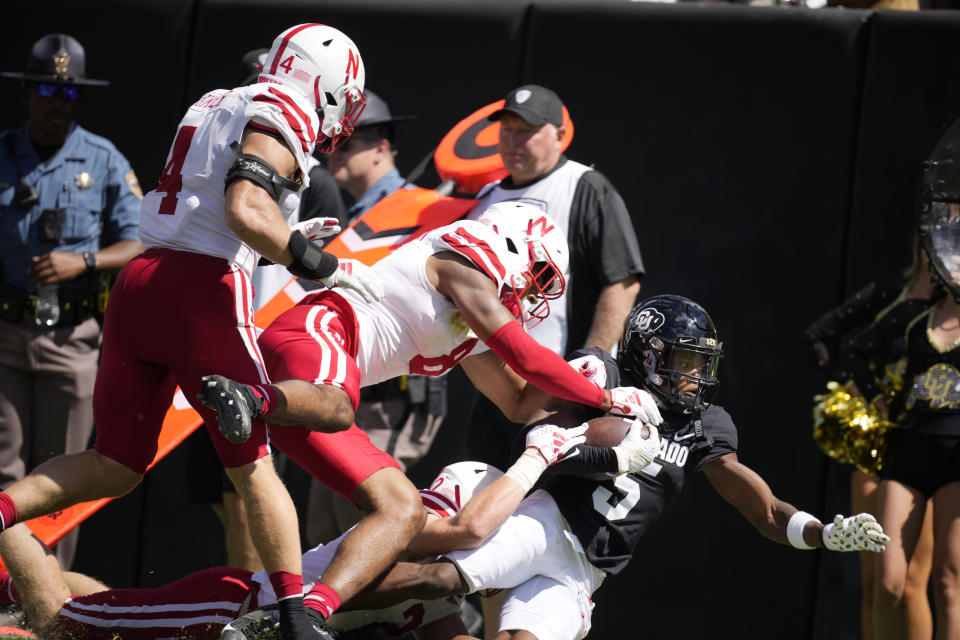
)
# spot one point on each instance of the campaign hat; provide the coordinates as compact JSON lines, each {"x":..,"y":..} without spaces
{"x":56,"y":58}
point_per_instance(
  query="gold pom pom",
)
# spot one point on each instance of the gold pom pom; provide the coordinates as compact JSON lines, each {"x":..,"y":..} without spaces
{"x":849,"y":429}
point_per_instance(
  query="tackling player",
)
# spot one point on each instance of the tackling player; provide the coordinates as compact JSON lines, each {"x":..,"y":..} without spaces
{"x":183,"y":308}
{"x":451,"y":297}
{"x":464,"y":504}
{"x":566,"y":537}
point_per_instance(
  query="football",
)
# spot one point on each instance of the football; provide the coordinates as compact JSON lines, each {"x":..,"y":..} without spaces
{"x":607,"y":431}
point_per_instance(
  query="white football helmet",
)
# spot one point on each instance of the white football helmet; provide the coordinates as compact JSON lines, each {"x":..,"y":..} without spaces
{"x":542,"y":258}
{"x":456,"y":484}
{"x":324,"y":65}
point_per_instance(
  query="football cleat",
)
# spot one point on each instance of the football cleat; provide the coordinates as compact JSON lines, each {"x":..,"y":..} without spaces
{"x":264,"y":624}
{"x":259,"y":624}
{"x":235,"y":404}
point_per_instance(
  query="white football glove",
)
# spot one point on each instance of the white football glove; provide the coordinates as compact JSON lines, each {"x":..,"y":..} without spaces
{"x":636,"y":452}
{"x":353,"y":274}
{"x":630,"y":401}
{"x":316,"y":228}
{"x":552,"y":442}
{"x":591,"y":368}
{"x":861,"y":532}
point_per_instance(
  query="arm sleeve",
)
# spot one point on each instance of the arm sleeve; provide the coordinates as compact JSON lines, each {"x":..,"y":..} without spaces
{"x":541,"y":367}
{"x":857,"y":310}
{"x":584,"y":459}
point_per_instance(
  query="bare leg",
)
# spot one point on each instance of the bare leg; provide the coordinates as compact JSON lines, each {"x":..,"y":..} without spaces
{"x":916,"y":602}
{"x":394,"y":516}
{"x":272,"y":516}
{"x":946,"y":560}
{"x":407,"y":580}
{"x":36,"y":573}
{"x":491,"y":614}
{"x":81,"y":584}
{"x":66,"y":480}
{"x":241,"y":553}
{"x":900,"y":512}
{"x":449,"y":627}
{"x":515,"y":635}
{"x":863,"y":499}
{"x":319,"y":407}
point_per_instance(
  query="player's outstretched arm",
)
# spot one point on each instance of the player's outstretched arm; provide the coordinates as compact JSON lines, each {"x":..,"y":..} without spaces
{"x":36,"y":573}
{"x":784,"y":523}
{"x":489,"y":508}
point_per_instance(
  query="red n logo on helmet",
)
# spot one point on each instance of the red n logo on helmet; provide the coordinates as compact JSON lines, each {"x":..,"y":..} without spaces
{"x":353,"y":65}
{"x":544,"y":229}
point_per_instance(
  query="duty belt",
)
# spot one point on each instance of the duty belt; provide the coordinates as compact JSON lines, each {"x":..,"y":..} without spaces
{"x":75,"y":306}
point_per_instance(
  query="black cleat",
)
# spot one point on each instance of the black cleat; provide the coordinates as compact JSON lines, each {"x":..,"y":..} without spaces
{"x":264,"y":624}
{"x":259,"y":624}
{"x":235,"y":404}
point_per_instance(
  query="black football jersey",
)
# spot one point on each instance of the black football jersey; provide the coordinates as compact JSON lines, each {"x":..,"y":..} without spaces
{"x":609,"y":516}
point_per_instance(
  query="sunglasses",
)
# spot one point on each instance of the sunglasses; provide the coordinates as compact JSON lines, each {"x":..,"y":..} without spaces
{"x":69,"y":92}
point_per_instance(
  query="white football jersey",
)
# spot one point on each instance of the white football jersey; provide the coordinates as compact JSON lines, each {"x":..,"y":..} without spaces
{"x":185,"y":211}
{"x":455,"y":485}
{"x":414,"y":328}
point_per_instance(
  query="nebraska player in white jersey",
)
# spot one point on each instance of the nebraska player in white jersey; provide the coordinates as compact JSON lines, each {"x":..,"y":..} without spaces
{"x":452,"y":296}
{"x":445,"y":294}
{"x":465,"y":504}
{"x":182,"y":309}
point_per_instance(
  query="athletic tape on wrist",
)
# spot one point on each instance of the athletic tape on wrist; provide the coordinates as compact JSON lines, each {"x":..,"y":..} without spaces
{"x":527,"y":469}
{"x":795,"y":529}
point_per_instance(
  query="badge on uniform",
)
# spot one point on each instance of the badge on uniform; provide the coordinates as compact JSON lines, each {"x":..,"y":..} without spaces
{"x":132,"y":182}
{"x":83,"y":180}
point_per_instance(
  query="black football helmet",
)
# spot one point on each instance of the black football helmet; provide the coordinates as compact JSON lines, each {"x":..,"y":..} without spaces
{"x":670,"y":347}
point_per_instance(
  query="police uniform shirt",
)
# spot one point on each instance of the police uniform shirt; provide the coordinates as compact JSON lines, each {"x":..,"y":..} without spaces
{"x":603,"y":244}
{"x":610,"y":516}
{"x":87,"y":178}
{"x":384,"y":186}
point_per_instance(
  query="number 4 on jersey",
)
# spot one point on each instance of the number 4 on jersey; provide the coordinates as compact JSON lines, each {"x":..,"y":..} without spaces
{"x":172,"y":181}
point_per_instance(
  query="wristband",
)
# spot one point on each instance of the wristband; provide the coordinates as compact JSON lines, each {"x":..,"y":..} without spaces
{"x":309,"y":260}
{"x":795,"y":529}
{"x":527,"y":469}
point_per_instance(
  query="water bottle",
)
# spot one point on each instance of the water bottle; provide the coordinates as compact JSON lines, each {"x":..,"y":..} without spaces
{"x":48,"y":305}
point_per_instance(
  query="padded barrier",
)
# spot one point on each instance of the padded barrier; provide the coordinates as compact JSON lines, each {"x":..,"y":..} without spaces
{"x":768,"y":157}
{"x":729,"y":133}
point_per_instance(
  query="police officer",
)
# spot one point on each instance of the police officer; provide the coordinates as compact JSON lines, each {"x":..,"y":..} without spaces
{"x":69,"y":209}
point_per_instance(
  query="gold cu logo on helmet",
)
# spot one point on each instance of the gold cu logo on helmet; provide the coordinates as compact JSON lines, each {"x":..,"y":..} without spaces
{"x":60,"y":61}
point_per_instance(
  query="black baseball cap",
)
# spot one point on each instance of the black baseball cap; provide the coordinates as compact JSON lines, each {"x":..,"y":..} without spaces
{"x":377,"y":112}
{"x":252,"y":64}
{"x":535,"y":104}
{"x":56,"y":58}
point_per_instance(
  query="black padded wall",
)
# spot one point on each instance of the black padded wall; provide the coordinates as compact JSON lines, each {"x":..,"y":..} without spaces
{"x":438,"y":61}
{"x":729,"y":131}
{"x":768,"y":157}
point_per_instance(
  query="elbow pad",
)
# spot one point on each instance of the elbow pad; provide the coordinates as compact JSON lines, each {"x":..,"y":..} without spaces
{"x":247,"y":166}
